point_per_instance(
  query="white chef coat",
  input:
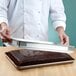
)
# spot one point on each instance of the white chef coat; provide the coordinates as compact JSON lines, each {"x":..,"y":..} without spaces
{"x":29,"y":18}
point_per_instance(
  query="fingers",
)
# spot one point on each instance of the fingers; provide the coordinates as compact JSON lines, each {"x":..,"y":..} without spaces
{"x":64,"y":39}
{"x":7,"y":39}
{"x":4,"y":33}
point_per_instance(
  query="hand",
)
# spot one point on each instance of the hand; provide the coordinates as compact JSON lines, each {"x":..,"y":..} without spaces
{"x":64,"y":39}
{"x":5,"y":32}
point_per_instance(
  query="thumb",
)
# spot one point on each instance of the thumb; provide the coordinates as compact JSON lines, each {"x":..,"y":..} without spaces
{"x":61,"y":39}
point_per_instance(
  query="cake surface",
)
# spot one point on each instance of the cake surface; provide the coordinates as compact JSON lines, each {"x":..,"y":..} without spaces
{"x":26,"y":57}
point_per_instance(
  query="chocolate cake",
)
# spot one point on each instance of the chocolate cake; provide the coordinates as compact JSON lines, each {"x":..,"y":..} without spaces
{"x":26,"y":57}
